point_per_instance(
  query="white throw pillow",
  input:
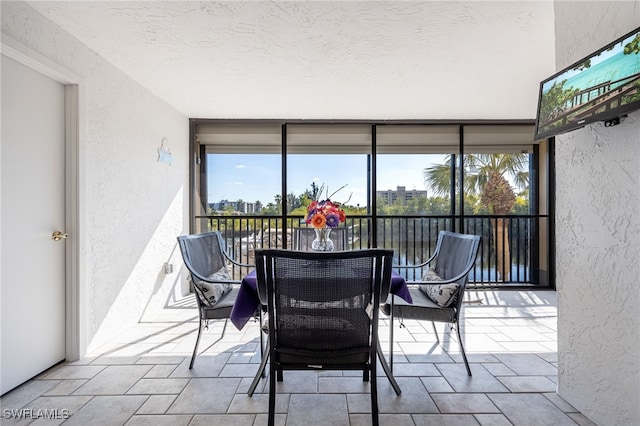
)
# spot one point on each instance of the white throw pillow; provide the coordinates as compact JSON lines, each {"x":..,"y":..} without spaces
{"x":431,"y":275}
{"x":442,"y":295}
{"x":211,"y":293}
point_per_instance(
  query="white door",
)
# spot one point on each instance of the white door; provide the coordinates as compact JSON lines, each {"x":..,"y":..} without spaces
{"x":33,"y":201}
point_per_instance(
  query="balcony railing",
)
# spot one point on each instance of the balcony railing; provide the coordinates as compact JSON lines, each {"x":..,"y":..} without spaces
{"x":509,"y":253}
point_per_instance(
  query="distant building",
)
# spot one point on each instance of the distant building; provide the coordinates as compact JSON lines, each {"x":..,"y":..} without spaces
{"x":390,"y":196}
{"x":247,"y":208}
{"x":235,"y":206}
{"x":223,"y":205}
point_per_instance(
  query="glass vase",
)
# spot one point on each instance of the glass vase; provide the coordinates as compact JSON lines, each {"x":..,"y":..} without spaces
{"x":322,"y":241}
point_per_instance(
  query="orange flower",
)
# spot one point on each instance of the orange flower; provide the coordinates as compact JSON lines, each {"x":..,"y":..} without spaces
{"x":325,"y":213}
{"x":318,"y":221}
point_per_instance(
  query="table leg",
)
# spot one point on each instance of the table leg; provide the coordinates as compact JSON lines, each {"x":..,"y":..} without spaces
{"x":387,"y":371}
{"x":259,"y":373}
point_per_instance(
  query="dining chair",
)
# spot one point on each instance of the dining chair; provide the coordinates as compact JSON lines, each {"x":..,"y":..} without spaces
{"x":206,"y":258}
{"x":322,"y":312}
{"x":303,"y":237}
{"x":438,"y":295}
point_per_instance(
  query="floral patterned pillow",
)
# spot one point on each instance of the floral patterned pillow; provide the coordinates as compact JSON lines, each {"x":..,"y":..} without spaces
{"x":431,"y":275}
{"x":442,"y":295}
{"x":211,"y":293}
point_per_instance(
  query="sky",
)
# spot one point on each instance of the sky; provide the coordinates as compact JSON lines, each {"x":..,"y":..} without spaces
{"x":257,"y":177}
{"x":603,"y":56}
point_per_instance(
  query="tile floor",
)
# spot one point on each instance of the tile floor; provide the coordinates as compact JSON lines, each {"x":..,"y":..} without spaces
{"x":142,"y":378}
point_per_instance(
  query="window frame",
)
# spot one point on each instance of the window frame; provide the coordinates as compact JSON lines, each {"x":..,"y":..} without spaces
{"x":470,"y":134}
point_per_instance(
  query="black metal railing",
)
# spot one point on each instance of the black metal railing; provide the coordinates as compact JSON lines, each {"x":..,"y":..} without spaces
{"x":509,"y":253}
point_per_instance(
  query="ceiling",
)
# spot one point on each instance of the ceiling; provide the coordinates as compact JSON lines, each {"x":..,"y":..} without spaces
{"x":272,"y":59}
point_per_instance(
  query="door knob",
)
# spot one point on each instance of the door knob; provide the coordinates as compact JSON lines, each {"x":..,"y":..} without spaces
{"x":57,"y":236}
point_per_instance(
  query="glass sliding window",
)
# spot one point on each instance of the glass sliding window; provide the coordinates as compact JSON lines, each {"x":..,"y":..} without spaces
{"x":239,"y":183}
{"x":334,"y":160}
{"x":414,"y":187}
{"x":498,"y":161}
{"x":243,"y":183}
{"x":414,"y":169}
{"x":401,"y":182}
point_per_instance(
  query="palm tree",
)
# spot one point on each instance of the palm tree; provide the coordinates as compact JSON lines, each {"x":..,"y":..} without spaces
{"x":484,"y":174}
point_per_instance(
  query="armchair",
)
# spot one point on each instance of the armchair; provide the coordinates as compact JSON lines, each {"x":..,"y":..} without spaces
{"x":207,"y":261}
{"x":438,"y":296}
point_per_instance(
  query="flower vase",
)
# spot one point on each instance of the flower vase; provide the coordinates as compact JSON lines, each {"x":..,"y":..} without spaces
{"x":322,"y":241}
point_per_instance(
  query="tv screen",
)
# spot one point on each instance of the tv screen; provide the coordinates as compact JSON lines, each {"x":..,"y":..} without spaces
{"x":604,"y":86}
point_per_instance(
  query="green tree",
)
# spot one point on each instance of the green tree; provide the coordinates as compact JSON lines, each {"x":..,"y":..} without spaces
{"x":477,"y":170}
{"x":418,"y":205}
{"x":314,"y":193}
{"x":439,"y":206}
{"x":633,"y":46}
{"x":274,"y":208}
{"x":486,"y":176}
{"x":293,"y":202}
{"x":554,"y":101}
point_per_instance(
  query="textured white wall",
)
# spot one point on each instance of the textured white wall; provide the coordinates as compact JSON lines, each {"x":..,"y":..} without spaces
{"x":598,"y":236}
{"x":133,"y":207}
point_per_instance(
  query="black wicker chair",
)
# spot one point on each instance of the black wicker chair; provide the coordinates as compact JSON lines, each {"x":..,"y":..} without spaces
{"x":322,"y":310}
{"x":439,"y":295}
{"x":303,"y":237}
{"x":207,"y":261}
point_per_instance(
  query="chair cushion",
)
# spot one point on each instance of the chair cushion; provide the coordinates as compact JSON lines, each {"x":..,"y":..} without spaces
{"x":223,"y":308}
{"x":422,"y":308}
{"x":211,"y":293}
{"x":442,"y":295}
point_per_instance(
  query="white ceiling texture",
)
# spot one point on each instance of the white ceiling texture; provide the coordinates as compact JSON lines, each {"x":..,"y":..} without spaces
{"x":324,"y":59}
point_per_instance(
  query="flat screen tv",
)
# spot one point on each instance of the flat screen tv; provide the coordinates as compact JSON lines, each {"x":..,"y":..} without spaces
{"x":604,"y":86}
